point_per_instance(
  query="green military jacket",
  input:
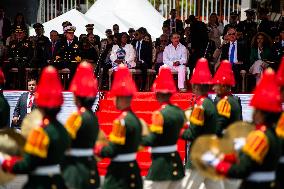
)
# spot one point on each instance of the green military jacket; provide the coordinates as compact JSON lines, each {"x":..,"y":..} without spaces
{"x":125,"y":138}
{"x":228,"y":110}
{"x":260,"y":154}
{"x":45,"y":146}
{"x":4,"y":111}
{"x":202,"y":119}
{"x":165,"y":128}
{"x":81,"y":172}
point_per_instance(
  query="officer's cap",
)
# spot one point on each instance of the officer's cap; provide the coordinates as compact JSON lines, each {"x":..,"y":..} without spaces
{"x":66,"y":23}
{"x":108,"y":31}
{"x":131,"y":30}
{"x":37,"y":26}
{"x":234,"y":13}
{"x":70,"y":29}
{"x":90,"y":26}
{"x":250,"y":11}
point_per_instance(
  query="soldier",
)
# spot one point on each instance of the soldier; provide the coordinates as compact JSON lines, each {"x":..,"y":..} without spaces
{"x":123,"y":171}
{"x":4,"y":105}
{"x":202,"y":120}
{"x":41,"y":45}
{"x":20,"y":53}
{"x":258,"y":158}
{"x":89,"y":49}
{"x":166,"y":170}
{"x":68,"y":52}
{"x":228,"y":106}
{"x":46,"y":142}
{"x":79,"y":166}
{"x":64,"y":25}
{"x":90,"y":30}
{"x":233,"y":22}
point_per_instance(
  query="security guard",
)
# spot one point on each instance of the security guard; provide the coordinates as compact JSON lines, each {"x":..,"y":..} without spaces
{"x":228,"y":106}
{"x":233,"y":22}
{"x":47,"y":142}
{"x":20,"y":53}
{"x":123,"y":171}
{"x":166,"y":170}
{"x":41,"y":45}
{"x":4,"y":105}
{"x":90,"y":30}
{"x":202,"y":120}
{"x":80,"y":167}
{"x":258,"y":159}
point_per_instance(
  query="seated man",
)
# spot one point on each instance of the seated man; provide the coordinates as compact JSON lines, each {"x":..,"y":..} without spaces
{"x":175,"y":56}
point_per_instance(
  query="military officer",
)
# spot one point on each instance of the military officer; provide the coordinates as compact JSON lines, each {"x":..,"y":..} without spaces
{"x":166,"y":170}
{"x":20,"y":53}
{"x":258,"y":159}
{"x":46,"y":142}
{"x":202,"y":120}
{"x":4,"y":105}
{"x":41,"y":45}
{"x":90,"y":30}
{"x":228,"y":106}
{"x":80,"y":167}
{"x":125,"y":137}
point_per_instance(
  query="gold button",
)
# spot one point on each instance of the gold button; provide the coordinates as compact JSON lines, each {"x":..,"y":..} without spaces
{"x":131,"y":164}
{"x":132,"y":185}
{"x":53,"y":186}
{"x":175,"y":173}
{"x":92,"y":181}
{"x":132,"y":176}
{"x":173,"y":154}
{"x":93,"y":172}
{"x":175,"y":164}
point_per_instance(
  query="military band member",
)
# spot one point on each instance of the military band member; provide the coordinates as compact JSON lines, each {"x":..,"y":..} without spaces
{"x":80,"y":167}
{"x":166,"y":170}
{"x":123,"y":171}
{"x":257,"y":161}
{"x":202,"y":120}
{"x":4,"y":105}
{"x":46,"y":142}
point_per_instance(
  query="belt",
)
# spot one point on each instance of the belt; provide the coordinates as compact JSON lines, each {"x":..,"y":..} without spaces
{"x":80,"y":152}
{"x":265,"y":176}
{"x":47,"y":170}
{"x":164,"y":149}
{"x":125,"y":157}
{"x":281,"y":160}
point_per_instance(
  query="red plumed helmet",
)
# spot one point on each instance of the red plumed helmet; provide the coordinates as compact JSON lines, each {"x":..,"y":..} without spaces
{"x":164,"y":83}
{"x":201,"y":73}
{"x":84,"y":83}
{"x":280,"y":73}
{"x":267,"y":93}
{"x":123,"y":84}
{"x":49,"y":90}
{"x":2,"y":77}
{"x":224,"y":75}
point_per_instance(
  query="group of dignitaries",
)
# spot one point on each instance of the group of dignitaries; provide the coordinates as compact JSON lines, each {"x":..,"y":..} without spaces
{"x":57,"y":156}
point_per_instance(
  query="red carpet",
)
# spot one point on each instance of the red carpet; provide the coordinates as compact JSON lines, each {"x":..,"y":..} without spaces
{"x":143,"y":104}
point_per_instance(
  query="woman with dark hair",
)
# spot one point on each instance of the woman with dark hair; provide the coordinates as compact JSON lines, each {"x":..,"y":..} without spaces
{"x":122,"y":52}
{"x":260,"y":53}
{"x":215,"y":29}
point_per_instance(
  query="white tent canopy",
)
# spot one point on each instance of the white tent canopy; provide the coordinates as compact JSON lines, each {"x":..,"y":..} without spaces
{"x":77,"y":19}
{"x":127,"y":13}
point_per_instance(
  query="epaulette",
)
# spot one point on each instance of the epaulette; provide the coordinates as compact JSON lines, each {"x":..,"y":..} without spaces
{"x":256,"y":146}
{"x":73,"y":124}
{"x":224,"y":107}
{"x":197,"y":114}
{"x":280,"y":126}
{"x":118,"y":133}
{"x":157,"y":123}
{"x":37,"y":143}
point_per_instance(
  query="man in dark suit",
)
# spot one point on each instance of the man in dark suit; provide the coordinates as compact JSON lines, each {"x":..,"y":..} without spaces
{"x":173,"y":23}
{"x":236,"y":52}
{"x":5,"y":26}
{"x":143,"y":55}
{"x":24,"y":105}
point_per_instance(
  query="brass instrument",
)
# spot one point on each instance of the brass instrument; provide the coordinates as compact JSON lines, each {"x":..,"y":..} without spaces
{"x":31,"y":121}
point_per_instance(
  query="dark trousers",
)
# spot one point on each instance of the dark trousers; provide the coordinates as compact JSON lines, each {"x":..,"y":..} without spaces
{"x":237,"y":68}
{"x":143,"y":67}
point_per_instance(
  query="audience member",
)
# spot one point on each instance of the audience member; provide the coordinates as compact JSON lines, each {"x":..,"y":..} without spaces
{"x":175,"y":25}
{"x":5,"y":26}
{"x":215,"y":29}
{"x":115,"y":29}
{"x":233,"y":22}
{"x":159,"y":50}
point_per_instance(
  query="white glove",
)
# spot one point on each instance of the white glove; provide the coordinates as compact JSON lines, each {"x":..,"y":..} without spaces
{"x":210,"y":159}
{"x":2,"y":158}
{"x":239,"y":143}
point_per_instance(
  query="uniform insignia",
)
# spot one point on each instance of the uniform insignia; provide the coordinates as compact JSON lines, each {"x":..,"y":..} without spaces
{"x":280,"y":126}
{"x":197,"y":115}
{"x":256,"y":146}
{"x":13,"y":46}
{"x":73,"y":124}
{"x":57,"y":57}
{"x":118,"y":132}
{"x":37,"y":143}
{"x":78,"y":58}
{"x":224,"y":107}
{"x":26,"y":44}
{"x":157,"y":122}
{"x":75,"y":46}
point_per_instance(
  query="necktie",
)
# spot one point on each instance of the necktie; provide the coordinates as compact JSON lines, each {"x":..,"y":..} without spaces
{"x":30,"y":101}
{"x":52,"y":48}
{"x":138,"y":50}
{"x":232,"y":54}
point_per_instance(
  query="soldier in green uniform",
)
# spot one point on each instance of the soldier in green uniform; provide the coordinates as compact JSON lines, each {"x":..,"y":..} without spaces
{"x":280,"y":129}
{"x":123,"y":171}
{"x":202,"y":120}
{"x":166,"y":170}
{"x":257,"y":161}
{"x":4,"y":105}
{"x":228,"y":106}
{"x":46,"y":142}
{"x":80,"y":167}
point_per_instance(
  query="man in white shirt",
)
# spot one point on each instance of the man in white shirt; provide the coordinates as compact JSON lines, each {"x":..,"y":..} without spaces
{"x":175,"y":56}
